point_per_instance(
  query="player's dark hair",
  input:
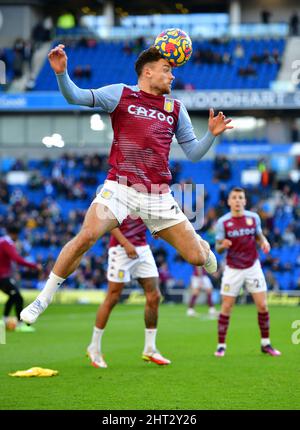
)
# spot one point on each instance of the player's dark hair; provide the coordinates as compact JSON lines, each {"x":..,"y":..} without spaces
{"x":150,"y":55}
{"x":13,"y":228}
{"x":238,"y":190}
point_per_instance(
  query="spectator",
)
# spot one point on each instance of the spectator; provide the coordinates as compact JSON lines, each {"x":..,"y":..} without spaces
{"x":265,"y":16}
{"x":288,"y":236}
{"x":222,"y":169}
{"x":18,"y":60}
{"x":176,"y":172}
{"x":226,"y":59}
{"x":28,"y":54}
{"x":239,"y":51}
{"x":294,"y":24}
{"x":41,"y":32}
{"x":139,"y":45}
{"x":295,"y":135}
{"x":247,"y":71}
{"x":275,"y":57}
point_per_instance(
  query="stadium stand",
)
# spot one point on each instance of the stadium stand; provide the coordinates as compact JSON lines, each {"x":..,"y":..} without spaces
{"x":223,"y":64}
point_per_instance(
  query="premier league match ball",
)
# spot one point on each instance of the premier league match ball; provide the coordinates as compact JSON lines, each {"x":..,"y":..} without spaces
{"x":175,"y":46}
{"x":11,"y":323}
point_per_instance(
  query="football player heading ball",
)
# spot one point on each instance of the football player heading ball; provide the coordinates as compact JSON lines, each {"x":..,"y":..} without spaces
{"x":144,"y":122}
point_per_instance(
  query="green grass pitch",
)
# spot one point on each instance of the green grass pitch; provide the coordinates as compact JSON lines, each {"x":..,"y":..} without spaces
{"x":244,"y":379}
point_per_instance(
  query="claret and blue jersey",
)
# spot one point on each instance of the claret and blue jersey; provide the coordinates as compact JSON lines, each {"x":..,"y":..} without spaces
{"x":242,"y":232}
{"x":144,"y":126}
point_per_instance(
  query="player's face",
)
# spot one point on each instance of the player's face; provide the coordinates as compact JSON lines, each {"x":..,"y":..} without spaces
{"x":14,"y":236}
{"x":237,"y":201}
{"x":161,"y":77}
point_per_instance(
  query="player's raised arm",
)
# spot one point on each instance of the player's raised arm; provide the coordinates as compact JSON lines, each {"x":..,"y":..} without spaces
{"x":73,"y":94}
{"x":218,"y":124}
{"x":106,"y":98}
{"x":193,"y":148}
{"x":58,"y":59}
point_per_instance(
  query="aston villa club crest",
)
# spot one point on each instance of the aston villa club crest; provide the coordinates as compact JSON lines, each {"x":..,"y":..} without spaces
{"x":106,"y":194}
{"x":169,"y":105}
{"x":249,"y":221}
{"x":121,"y":274}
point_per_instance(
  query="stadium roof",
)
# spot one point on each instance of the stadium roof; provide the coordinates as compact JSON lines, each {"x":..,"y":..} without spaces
{"x":133,"y":7}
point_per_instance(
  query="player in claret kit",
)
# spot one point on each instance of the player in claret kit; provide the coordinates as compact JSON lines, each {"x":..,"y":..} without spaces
{"x":237,"y":233}
{"x":200,"y":282}
{"x":8,"y":256}
{"x":144,"y":120}
{"x":130,"y":257}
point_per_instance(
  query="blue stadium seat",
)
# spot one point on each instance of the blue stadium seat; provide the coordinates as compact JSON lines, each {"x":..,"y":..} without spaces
{"x":117,"y":66}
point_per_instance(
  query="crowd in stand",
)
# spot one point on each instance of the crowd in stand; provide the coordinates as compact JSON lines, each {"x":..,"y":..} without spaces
{"x":210,"y":56}
{"x":46,"y":227}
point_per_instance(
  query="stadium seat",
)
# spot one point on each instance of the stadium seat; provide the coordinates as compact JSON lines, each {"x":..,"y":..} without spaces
{"x":118,"y":66}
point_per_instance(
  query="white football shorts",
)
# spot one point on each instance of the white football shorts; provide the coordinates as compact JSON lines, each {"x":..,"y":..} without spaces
{"x":234,"y":279}
{"x":202,"y":282}
{"x":121,"y":268}
{"x":158,"y":211}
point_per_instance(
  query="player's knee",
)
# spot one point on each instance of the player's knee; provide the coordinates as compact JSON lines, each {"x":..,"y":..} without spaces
{"x":227,"y":308}
{"x":262,"y":308}
{"x":113,"y":298}
{"x":85,"y":239}
{"x":153,"y":298}
{"x":197,"y":257}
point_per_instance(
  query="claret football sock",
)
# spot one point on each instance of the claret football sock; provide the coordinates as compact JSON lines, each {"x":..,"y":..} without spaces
{"x":222,"y":327}
{"x":264,"y":324}
{"x":209,"y":299}
{"x":193,"y":300}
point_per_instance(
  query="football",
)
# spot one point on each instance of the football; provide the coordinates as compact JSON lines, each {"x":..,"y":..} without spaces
{"x":11,"y":323}
{"x":174,"y":45}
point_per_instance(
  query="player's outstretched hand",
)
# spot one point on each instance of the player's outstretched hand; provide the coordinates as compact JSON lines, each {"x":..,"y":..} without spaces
{"x":130,"y":250}
{"x":226,"y":243}
{"x":58,"y":59}
{"x":217,"y":124}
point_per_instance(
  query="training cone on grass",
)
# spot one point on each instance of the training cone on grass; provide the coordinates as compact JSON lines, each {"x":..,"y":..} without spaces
{"x":34,"y":371}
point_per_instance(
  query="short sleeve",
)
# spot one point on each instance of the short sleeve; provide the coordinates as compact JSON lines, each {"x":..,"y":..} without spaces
{"x":220,"y":230}
{"x":108,"y":97}
{"x":258,"y":224}
{"x":184,"y":131}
